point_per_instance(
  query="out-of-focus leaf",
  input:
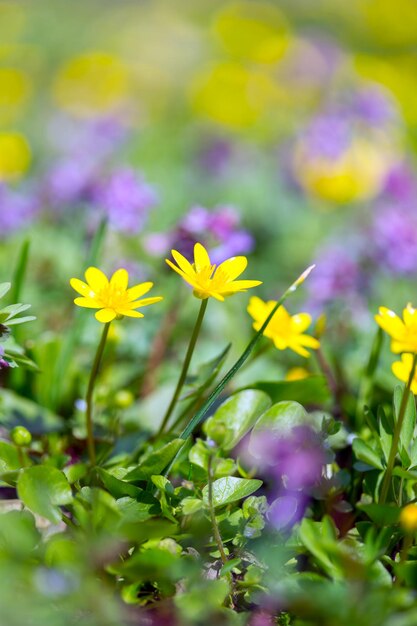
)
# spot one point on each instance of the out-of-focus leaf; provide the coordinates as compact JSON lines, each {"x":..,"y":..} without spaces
{"x":309,"y":391}
{"x":382,"y":514}
{"x":43,"y":490}
{"x":364,"y":453}
{"x":409,"y":421}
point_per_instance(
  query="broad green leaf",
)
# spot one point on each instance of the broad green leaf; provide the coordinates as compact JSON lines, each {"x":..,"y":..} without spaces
{"x":191,"y":505}
{"x":134,"y":512}
{"x":43,"y":490}
{"x":280,"y":419}
{"x":382,"y":514}
{"x":230,"y":489}
{"x":365,"y":454}
{"x":155,"y":461}
{"x":409,"y":422}
{"x":234,"y":418}
{"x":311,"y":390}
{"x":318,"y":538}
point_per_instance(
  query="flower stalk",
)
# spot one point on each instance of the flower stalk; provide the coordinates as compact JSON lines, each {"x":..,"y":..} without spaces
{"x":185,"y":366}
{"x":90,"y":391}
{"x":397,"y":432}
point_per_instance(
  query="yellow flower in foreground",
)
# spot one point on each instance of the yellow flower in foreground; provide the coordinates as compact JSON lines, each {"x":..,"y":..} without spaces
{"x":403,"y":332}
{"x":209,"y":281}
{"x":112,"y":297}
{"x":285,"y":330}
{"x":408,"y":518}
{"x":402,"y":369}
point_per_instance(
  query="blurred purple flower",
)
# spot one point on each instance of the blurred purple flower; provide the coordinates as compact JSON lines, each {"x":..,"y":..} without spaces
{"x":215,"y":156}
{"x":373,"y":106}
{"x":292,"y":462}
{"x":17,"y":210}
{"x":338,"y":275}
{"x":126,"y":199}
{"x":219,"y":230}
{"x":328,"y":135}
{"x":401,"y":183}
{"x":395,"y":239}
{"x":68,"y":182}
{"x":4,"y":365}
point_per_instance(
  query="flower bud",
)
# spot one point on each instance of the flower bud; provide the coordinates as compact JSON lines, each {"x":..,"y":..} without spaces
{"x":124,"y":398}
{"x":21,"y":436}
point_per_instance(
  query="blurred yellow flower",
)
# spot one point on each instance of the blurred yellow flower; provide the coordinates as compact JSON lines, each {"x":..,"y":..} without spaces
{"x":357,"y":175}
{"x":112,"y":297}
{"x":402,"y":370}
{"x":252,"y":31}
{"x":231,"y":94}
{"x":14,"y":156}
{"x":403,"y":332}
{"x":284,"y":330}
{"x":91,"y":83}
{"x":297,"y":373}
{"x":408,"y":518}
{"x":14,"y":91}
{"x":207,"y":280}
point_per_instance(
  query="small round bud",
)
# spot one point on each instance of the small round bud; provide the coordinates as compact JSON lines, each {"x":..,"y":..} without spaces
{"x":124,"y":399}
{"x":408,"y":518}
{"x":21,"y":436}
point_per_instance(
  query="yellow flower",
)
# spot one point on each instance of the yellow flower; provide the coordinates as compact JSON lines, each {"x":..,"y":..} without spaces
{"x":408,"y":518}
{"x":14,"y":156}
{"x":402,"y":369}
{"x":286,"y":331}
{"x":297,"y":373}
{"x":112,"y":297}
{"x":209,"y":281}
{"x":403,"y":332}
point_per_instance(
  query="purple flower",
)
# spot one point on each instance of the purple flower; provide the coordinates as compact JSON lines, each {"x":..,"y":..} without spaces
{"x":219,"y":230}
{"x":292,"y":462}
{"x":17,"y":210}
{"x":373,"y":106}
{"x":401,"y":183}
{"x":215,"y":156}
{"x":68,"y":182}
{"x":395,"y":239}
{"x":328,"y":135}
{"x":3,"y":363}
{"x":126,"y":200}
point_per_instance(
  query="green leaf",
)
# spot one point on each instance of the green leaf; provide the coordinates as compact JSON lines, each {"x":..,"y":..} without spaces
{"x":20,"y":320}
{"x":155,"y":462}
{"x":230,"y":489}
{"x":43,"y":490}
{"x":4,"y":288}
{"x":234,"y":418}
{"x":365,"y":454}
{"x":311,"y":390}
{"x":409,"y":422}
{"x":9,"y":458}
{"x":382,"y":514}
{"x":318,"y":537}
{"x":117,"y":488}
{"x":206,"y":374}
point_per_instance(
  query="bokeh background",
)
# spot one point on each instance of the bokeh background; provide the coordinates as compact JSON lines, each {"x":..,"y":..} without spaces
{"x":282,"y":130}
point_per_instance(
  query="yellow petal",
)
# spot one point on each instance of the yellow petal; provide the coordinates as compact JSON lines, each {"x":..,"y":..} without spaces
{"x":239,"y":285}
{"x":81,"y":287}
{"x":400,"y":371}
{"x":410,"y":315}
{"x":188,"y":278}
{"x":308,"y":341}
{"x":201,"y":257}
{"x":88,"y":303}
{"x":105,"y":315}
{"x":138,"y":290}
{"x":300,"y":322}
{"x":390,"y":322}
{"x":182,"y":262}
{"x":129,"y":313}
{"x":96,"y":279}
{"x":233,"y":267}
{"x":120,"y":279}
{"x":299,"y":349}
{"x":145,"y":302}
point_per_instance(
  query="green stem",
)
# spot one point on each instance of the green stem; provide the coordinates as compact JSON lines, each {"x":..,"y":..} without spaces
{"x":396,"y":436}
{"x":89,"y":396}
{"x":186,"y":365}
{"x":407,"y":543}
{"x":216,"y":531}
